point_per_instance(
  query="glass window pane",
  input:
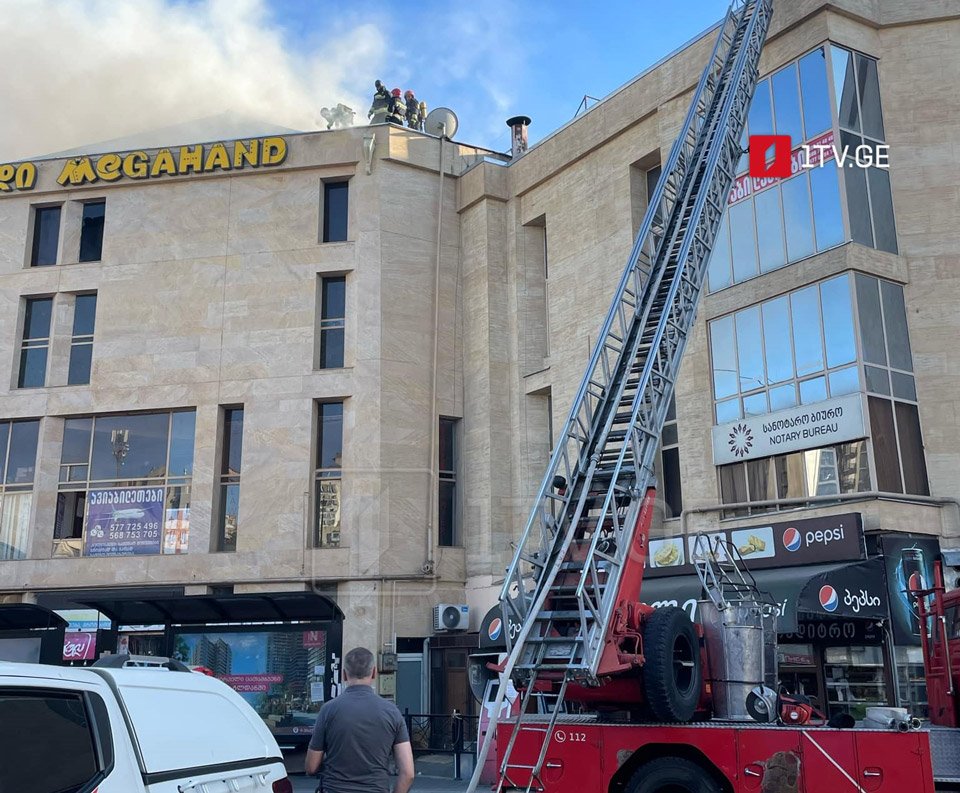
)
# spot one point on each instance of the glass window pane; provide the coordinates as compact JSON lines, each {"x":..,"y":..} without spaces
{"x":760,"y":484}
{"x":334,"y":292}
{"x":845,"y":88}
{"x":91,"y":232}
{"x":837,"y":309}
{"x":448,"y":511}
{"x":328,"y":511}
{"x":884,"y":439}
{"x":76,"y":441}
{"x":81,"y":359}
{"x":881,"y":201}
{"x":448,"y":445}
{"x":182,"y":433}
{"x":672,"y":409}
{"x":335,"y":211}
{"x":814,"y":390}
{"x":14,"y":534}
{"x":36,"y":319}
{"x":733,"y":484}
{"x":669,"y":435}
{"x":895,"y":323}
{"x":719,"y":268}
{"x":871,"y":320}
{"x":750,"y":349}
{"x":789,"y":470}
{"x":844,"y":381}
{"x":331,"y":348}
{"x":33,"y":367}
{"x":755,"y":404}
{"x":46,"y":233}
{"x":797,"y":217}
{"x":869,"y":97}
{"x":816,"y":99}
{"x":904,"y":386}
{"x":23,"y":452}
{"x":672,"y":486}
{"x":911,"y":450}
{"x":4,"y":440}
{"x":853,"y":467}
{"x":84,"y":315}
{"x":807,"y":341}
{"x":330,"y":430}
{"x":877,"y":380}
{"x":743,"y":239}
{"x":827,"y":215}
{"x":130,"y":447}
{"x":770,"y":229}
{"x":723,"y":347}
{"x":760,"y":118}
{"x":229,"y":510}
{"x":822,"y":474}
{"x":232,"y":441}
{"x":728,"y":411}
{"x":777,"y":340}
{"x":782,"y":397}
{"x":786,"y":103}
{"x":858,"y":204}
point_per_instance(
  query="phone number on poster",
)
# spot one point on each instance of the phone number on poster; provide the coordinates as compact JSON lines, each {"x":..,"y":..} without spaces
{"x":133,"y":531}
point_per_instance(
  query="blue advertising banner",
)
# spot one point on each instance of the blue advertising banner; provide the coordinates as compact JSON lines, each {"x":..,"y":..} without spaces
{"x":124,"y":522}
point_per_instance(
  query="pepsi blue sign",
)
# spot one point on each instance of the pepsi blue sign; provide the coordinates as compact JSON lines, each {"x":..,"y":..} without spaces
{"x":792,"y":540}
{"x":829,"y":599}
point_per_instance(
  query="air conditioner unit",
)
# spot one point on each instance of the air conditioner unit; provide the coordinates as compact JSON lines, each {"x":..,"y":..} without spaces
{"x":451,"y":617}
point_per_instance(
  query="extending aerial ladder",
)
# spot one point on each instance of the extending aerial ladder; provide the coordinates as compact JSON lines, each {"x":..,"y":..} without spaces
{"x":574,"y":582}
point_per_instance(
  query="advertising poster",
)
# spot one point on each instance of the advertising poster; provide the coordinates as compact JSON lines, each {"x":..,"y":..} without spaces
{"x":176,"y":530}
{"x":909,"y":564}
{"x":123,"y":522}
{"x":274,"y":671}
{"x":79,"y":646}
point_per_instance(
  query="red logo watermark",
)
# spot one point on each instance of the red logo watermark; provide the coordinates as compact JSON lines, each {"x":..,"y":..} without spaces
{"x":779,"y":166}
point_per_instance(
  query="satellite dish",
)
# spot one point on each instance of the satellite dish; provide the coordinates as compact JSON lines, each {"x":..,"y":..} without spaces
{"x":442,"y":122}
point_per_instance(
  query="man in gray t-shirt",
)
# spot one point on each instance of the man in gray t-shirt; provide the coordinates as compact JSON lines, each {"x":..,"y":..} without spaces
{"x":356,"y":733}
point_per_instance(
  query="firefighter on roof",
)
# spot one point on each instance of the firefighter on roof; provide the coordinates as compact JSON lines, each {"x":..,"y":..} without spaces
{"x":413,"y":110}
{"x":397,"y":109}
{"x":381,"y":101}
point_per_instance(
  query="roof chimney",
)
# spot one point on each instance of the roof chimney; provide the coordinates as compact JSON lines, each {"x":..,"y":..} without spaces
{"x":518,"y":140}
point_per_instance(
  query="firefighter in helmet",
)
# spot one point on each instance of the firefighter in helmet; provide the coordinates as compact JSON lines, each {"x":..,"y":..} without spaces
{"x":381,"y":100}
{"x":413,"y":109}
{"x":397,"y":109}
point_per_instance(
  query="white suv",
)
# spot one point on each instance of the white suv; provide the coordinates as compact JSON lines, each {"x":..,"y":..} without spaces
{"x":130,"y":730}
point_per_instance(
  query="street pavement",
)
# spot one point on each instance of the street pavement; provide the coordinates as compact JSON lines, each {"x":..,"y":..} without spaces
{"x":302,"y":784}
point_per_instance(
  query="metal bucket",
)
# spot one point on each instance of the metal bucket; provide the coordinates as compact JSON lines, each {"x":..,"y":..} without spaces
{"x":741,"y":652}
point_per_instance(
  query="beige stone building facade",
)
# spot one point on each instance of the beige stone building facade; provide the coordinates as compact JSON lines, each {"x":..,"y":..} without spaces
{"x":341,"y":373}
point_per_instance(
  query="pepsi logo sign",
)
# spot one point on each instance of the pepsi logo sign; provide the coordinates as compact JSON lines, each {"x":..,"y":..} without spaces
{"x":495,"y":629}
{"x":792,"y":539}
{"x":829,"y":599}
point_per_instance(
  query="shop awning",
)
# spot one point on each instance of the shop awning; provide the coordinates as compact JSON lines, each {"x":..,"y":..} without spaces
{"x":213,"y":609}
{"x":27,"y":616}
{"x":852,"y":590}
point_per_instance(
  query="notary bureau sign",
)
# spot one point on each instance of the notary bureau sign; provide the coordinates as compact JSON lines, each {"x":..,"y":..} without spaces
{"x":179,"y":161}
{"x":795,"y":429}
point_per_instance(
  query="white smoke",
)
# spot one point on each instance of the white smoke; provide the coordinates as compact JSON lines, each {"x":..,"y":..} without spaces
{"x":81,"y":71}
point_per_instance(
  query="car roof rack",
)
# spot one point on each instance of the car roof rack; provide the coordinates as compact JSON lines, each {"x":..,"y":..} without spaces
{"x":124,"y":661}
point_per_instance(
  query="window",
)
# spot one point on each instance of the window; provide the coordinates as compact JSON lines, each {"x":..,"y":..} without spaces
{"x":131,"y":472}
{"x":828,"y":471}
{"x":35,"y":343}
{"x":81,"y":345}
{"x":230,"y":458}
{"x":61,"y":717}
{"x":91,"y":231}
{"x":332,"y":309}
{"x":18,"y":457}
{"x":448,"y":523}
{"x":782,"y":353}
{"x":328,"y":475}
{"x":335,"y":211}
{"x":672,"y":489}
{"x":46,"y":236}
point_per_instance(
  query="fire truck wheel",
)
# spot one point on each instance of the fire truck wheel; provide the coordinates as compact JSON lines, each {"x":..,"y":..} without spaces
{"x":672,"y":775}
{"x":671,"y":670}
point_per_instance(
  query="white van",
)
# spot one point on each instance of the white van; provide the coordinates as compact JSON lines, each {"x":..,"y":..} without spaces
{"x":131,"y":730}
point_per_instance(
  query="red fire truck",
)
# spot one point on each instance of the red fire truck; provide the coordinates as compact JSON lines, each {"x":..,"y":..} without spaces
{"x":613,"y":694}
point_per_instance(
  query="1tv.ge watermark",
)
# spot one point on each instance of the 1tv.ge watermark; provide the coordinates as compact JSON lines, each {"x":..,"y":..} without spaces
{"x":788,"y":161}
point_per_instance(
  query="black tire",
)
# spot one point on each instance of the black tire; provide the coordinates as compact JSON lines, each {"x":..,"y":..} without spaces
{"x":672,"y":775}
{"x":672,"y":676}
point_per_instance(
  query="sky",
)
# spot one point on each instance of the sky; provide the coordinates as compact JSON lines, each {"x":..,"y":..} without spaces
{"x":81,"y":71}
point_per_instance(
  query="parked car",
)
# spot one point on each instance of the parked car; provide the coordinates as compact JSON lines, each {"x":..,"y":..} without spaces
{"x":117,"y":729}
